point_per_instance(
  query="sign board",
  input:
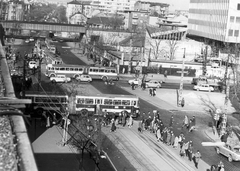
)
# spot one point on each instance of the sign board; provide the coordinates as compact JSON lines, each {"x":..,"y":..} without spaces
{"x":179,"y":72}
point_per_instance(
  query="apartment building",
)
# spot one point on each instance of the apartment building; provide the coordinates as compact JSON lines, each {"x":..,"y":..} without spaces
{"x":15,"y":11}
{"x":215,"y":19}
{"x":112,"y":6}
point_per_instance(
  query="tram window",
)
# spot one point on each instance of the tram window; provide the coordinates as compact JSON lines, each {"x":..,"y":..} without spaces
{"x":62,"y":69}
{"x":76,"y":69}
{"x":108,"y":101}
{"x":134,"y":103}
{"x":107,"y":70}
{"x":63,"y":100}
{"x":113,"y":71}
{"x":90,"y":70}
{"x":89,"y":101}
{"x":117,"y":102}
{"x":98,"y":101}
{"x":56,"y":68}
{"x":101,"y":70}
{"x":71,"y":69}
{"x":80,"y":69}
{"x":80,"y":101}
{"x":95,"y":70}
{"x":67,"y":69}
{"x":126,"y":102}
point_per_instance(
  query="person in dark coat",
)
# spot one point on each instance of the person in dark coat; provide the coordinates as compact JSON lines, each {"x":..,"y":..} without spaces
{"x":124,"y":119}
{"x":113,"y":127}
{"x":133,"y":86}
{"x":154,"y":92}
{"x":150,"y":91}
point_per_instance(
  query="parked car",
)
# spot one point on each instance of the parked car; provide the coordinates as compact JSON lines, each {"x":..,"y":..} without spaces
{"x":31,"y":39}
{"x":136,"y":81}
{"x":231,"y":152}
{"x":60,"y":78}
{"x":32,"y":64}
{"x":84,"y":78}
{"x":203,"y":87}
{"x":153,"y":84}
{"x":27,"y":41}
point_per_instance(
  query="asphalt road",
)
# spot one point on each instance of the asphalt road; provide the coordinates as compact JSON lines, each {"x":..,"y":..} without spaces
{"x":208,"y":153}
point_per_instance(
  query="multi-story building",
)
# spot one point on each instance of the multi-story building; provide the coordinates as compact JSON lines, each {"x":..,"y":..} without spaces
{"x":15,"y":10}
{"x":113,"y":6}
{"x":217,"y":20}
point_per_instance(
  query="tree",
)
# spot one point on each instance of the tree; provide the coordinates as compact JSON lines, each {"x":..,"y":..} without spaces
{"x":155,"y":47}
{"x":116,"y":21}
{"x":172,"y":48}
{"x":60,"y":14}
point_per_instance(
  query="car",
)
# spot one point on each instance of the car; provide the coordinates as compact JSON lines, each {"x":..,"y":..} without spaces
{"x":32,"y":64}
{"x":60,"y":78}
{"x":31,"y":39}
{"x":203,"y":87}
{"x":136,"y":81}
{"x":231,"y":152}
{"x":84,"y":78}
{"x":27,"y":41}
{"x":153,"y":84}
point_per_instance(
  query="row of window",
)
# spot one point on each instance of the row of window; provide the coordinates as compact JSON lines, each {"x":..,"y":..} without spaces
{"x":81,"y":69}
{"x":106,"y":102}
{"x":232,"y":19}
{"x":234,"y":33}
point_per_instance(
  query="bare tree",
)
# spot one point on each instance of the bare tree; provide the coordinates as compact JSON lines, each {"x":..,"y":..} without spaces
{"x":173,"y":45}
{"x":155,"y":47}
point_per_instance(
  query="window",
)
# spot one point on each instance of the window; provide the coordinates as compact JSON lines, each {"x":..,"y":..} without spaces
{"x":89,"y":101}
{"x":80,"y":101}
{"x":237,"y":19}
{"x":230,"y":32}
{"x":126,"y":102}
{"x":238,"y":6}
{"x":62,"y":69}
{"x":232,"y":19}
{"x":117,"y":102}
{"x":101,"y":70}
{"x":236,"y":33}
{"x":67,"y":69}
{"x":71,"y":69}
{"x":107,"y":101}
{"x":76,"y":69}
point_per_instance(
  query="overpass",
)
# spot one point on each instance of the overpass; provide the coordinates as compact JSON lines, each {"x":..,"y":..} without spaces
{"x":43,"y":26}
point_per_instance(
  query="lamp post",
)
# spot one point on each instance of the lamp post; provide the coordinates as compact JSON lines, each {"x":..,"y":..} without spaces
{"x":180,"y":98}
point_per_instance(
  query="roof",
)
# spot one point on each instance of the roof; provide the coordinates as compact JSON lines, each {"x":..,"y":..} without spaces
{"x":154,"y":3}
{"x":137,"y":41}
{"x":75,"y":2}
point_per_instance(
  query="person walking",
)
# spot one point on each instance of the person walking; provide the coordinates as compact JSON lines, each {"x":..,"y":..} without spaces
{"x":175,"y":144}
{"x":190,"y":151}
{"x":124,"y":119}
{"x":113,"y":127}
{"x":220,"y":166}
{"x":172,"y":138}
{"x":154,"y":92}
{"x":193,"y":123}
{"x":150,"y":91}
{"x":182,"y":102}
{"x":133,"y":86}
{"x":130,"y":121}
{"x":196,"y":158}
{"x":185,"y":122}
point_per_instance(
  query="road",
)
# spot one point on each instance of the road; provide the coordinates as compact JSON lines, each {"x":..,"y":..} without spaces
{"x":208,"y":153}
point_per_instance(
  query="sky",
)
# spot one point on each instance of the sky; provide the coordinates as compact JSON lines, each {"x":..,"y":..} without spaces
{"x":174,"y":4}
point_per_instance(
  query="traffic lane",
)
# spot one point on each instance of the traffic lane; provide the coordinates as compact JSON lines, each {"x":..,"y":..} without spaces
{"x":67,"y":56}
{"x":209,"y":154}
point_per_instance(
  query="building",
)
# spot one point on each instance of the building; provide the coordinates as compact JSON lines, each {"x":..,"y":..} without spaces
{"x":78,"y":11}
{"x":154,"y":8}
{"x":15,"y":11}
{"x":215,"y":20}
{"x":112,"y":6}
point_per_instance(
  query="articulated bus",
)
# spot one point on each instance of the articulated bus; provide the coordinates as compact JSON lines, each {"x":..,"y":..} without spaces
{"x":49,"y":102}
{"x":109,"y":103}
{"x":74,"y":71}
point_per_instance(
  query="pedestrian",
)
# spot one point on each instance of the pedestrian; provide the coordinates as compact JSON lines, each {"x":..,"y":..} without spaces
{"x":186,"y":146}
{"x":175,"y":144}
{"x":183,"y":150}
{"x":158,"y":134}
{"x":196,"y":158}
{"x":190,"y":151}
{"x":124,"y":117}
{"x":133,"y":86}
{"x":48,"y":121}
{"x":185,"y":121}
{"x":150,"y":91}
{"x":171,"y":122}
{"x":130,"y":121}
{"x":154,"y":92}
{"x":220,"y":166}
{"x":140,"y":126}
{"x":168,"y":137}
{"x":182,"y":102}
{"x":172,"y":138}
{"x":193,"y":123}
{"x":113,"y":127}
{"x":165,"y":75}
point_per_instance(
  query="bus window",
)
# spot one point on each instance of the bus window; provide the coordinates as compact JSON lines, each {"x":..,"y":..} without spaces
{"x":80,"y":101}
{"x":107,"y":70}
{"x":117,"y":102}
{"x":62,"y":69}
{"x":110,"y":101}
{"x":107,"y":101}
{"x":126,"y":102}
{"x":56,"y":68}
{"x":67,"y":69}
{"x":63,"y":100}
{"x":76,"y":69}
{"x":71,"y":69}
{"x":90,"y":70}
{"x":113,"y":71}
{"x":95,"y":70}
{"x":101,"y":70}
{"x":134,"y":103}
{"x":98,"y":101}
{"x":80,"y":69}
{"x":89,"y":101}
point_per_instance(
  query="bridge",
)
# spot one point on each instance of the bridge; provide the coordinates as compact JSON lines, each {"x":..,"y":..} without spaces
{"x":43,"y":26}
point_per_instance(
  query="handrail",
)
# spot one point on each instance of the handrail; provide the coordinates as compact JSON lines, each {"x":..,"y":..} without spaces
{"x":24,"y":148}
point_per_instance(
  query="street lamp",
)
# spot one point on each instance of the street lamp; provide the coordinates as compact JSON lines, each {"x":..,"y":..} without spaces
{"x":180,"y":92}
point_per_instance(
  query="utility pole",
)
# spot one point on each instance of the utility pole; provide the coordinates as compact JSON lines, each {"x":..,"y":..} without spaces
{"x":204,"y":70}
{"x":180,"y":98}
{"x":130,"y":57}
{"x":24,"y":76}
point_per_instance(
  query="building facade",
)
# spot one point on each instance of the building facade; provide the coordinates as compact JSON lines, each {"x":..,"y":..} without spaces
{"x":112,"y":6}
{"x":15,"y":11}
{"x":215,"y":19}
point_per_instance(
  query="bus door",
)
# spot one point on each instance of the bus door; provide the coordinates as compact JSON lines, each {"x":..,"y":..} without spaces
{"x":98,"y":103}
{"x":85,"y":70}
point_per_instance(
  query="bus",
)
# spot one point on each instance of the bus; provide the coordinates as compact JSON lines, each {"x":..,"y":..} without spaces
{"x":110,"y":103}
{"x":53,"y":59}
{"x":49,"y":102}
{"x":74,"y":71}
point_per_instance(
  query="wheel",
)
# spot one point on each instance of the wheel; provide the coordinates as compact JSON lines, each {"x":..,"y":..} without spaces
{"x":104,"y":78}
{"x":198,"y":89}
{"x":218,"y":151}
{"x":84,"y":112}
{"x":52,"y":75}
{"x":230,"y":159}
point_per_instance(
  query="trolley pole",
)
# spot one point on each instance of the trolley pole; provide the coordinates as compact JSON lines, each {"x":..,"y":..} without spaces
{"x":24,"y":76}
{"x":181,"y":81}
